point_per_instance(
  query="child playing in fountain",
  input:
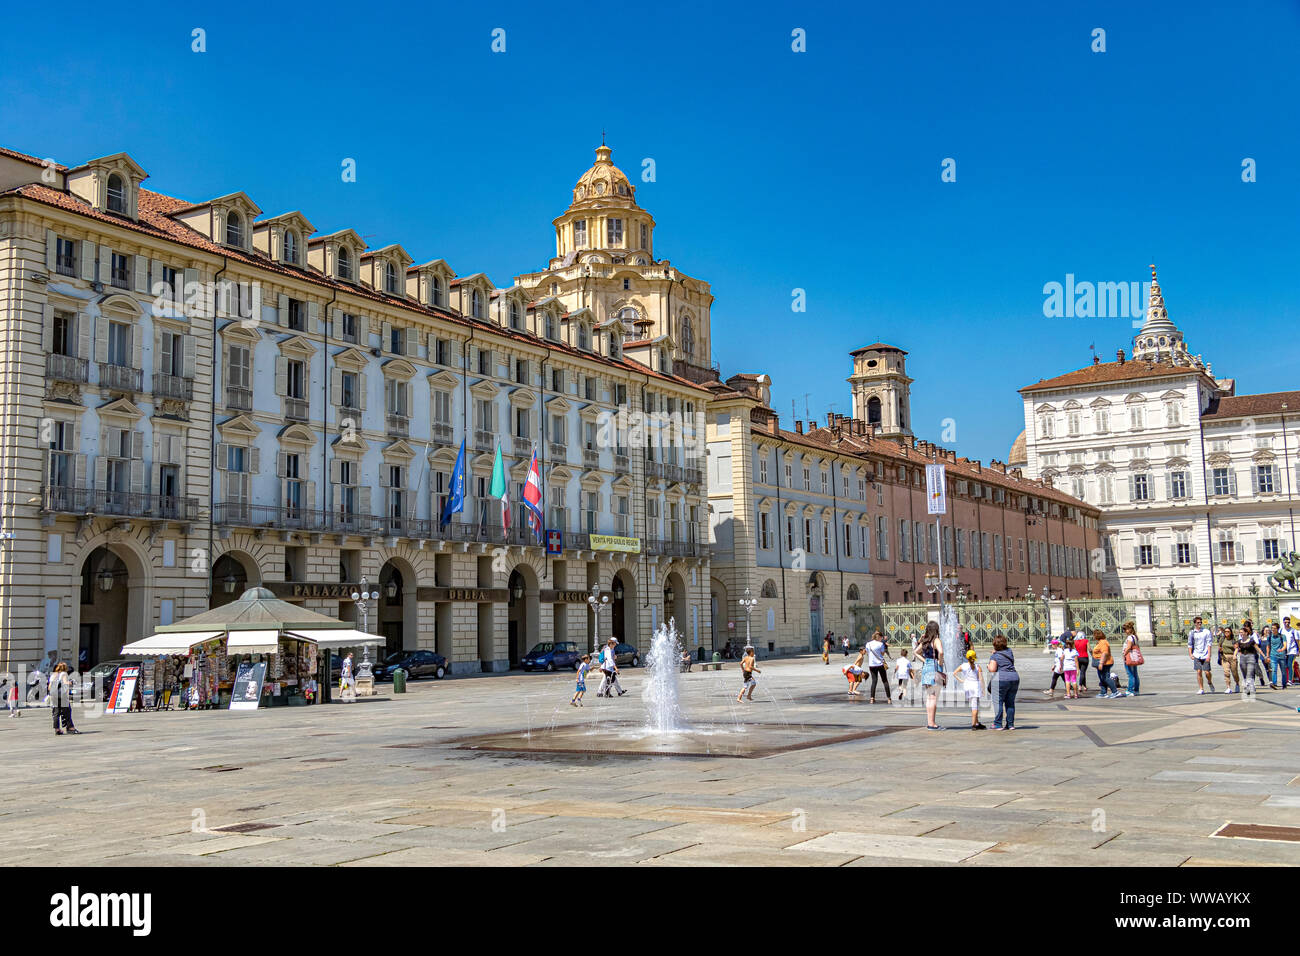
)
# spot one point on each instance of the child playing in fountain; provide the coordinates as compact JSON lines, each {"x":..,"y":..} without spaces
{"x":581,"y":689}
{"x":747,"y":670}
{"x":968,"y":676}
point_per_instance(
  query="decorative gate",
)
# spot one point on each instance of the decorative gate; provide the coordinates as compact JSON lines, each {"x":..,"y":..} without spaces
{"x":1020,"y":622}
{"x":1099,"y":614}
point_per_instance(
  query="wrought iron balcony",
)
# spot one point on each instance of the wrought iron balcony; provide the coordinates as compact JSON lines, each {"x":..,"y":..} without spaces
{"x":173,"y":386}
{"x":239,"y":399}
{"x":483,"y":440}
{"x":120,"y":378}
{"x":442,"y":431}
{"x":398,"y":426}
{"x":621,"y":464}
{"x":523,"y":447}
{"x":297,"y":409}
{"x":67,"y":368}
{"x":558,"y":454}
{"x":590,"y":458}
{"x":88,"y":501}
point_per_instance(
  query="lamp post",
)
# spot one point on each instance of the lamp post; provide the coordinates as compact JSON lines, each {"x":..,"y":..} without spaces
{"x":597,"y":602}
{"x":747,"y":604}
{"x":362,"y":600}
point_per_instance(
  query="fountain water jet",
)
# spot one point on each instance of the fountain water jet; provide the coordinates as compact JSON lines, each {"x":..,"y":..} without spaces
{"x":662,"y":695}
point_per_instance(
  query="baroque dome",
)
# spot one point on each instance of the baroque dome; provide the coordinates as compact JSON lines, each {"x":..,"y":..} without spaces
{"x":1018,"y":456}
{"x":603,"y":182}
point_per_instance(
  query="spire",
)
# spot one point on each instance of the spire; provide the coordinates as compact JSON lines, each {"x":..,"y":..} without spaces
{"x":1159,"y":340}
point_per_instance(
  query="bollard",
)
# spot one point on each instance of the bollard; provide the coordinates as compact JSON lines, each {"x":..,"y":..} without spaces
{"x":399,"y":681}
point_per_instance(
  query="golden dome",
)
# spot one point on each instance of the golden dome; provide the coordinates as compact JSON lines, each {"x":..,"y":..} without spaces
{"x":604,"y":182}
{"x":1018,"y":457}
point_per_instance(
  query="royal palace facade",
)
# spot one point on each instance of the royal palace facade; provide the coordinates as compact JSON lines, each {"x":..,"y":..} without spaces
{"x":200,"y":397}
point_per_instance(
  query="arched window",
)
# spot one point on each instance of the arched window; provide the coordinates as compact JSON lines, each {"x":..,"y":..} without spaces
{"x":852,"y":594}
{"x":116,"y":194}
{"x":345,"y":263}
{"x":234,"y":229}
{"x":437,"y":290}
{"x":516,"y":320}
{"x":390,"y":279}
{"x":291,"y":246}
{"x":769,"y":589}
{"x":873,"y":410}
{"x":688,"y":338}
{"x":476,"y":304}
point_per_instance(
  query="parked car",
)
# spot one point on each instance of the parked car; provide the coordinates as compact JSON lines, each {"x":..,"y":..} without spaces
{"x":626,"y":654}
{"x":551,"y":657}
{"x":415,"y":663}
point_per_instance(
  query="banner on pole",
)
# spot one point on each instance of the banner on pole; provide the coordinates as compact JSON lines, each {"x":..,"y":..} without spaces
{"x":937,"y":490}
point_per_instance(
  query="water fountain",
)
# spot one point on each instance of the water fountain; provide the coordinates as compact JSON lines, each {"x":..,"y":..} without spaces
{"x":954,"y":649}
{"x":662,"y":695}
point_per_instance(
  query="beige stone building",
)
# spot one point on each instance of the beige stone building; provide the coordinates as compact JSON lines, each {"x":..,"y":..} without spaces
{"x":826,"y":523}
{"x":200,"y":397}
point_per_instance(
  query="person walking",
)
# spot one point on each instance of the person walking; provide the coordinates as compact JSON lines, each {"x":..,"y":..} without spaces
{"x":933,"y":677}
{"x":902,"y":673}
{"x":877,"y":654}
{"x":1199,"y":640}
{"x":1084,"y":652}
{"x":1004,"y":682}
{"x":580,"y":687}
{"x":1290,"y":650}
{"x":970,"y":678}
{"x":1248,"y":656}
{"x":1070,"y":669}
{"x":1228,"y":660}
{"x":1056,"y":649}
{"x":826,"y":648}
{"x":1105,"y":662}
{"x":846,"y":645}
{"x":609,"y":671}
{"x":347,"y":683}
{"x":9,"y":684}
{"x":748,"y":668}
{"x":1131,"y":655}
{"x":1266,"y":642}
{"x":61,"y":700}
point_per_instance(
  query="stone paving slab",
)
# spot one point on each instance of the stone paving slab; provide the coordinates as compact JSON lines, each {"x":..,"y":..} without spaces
{"x":923,"y":849}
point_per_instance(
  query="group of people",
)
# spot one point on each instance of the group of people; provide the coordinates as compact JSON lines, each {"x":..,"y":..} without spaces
{"x":1244,"y":656}
{"x":828,"y":646}
{"x":1073,"y":651}
{"x":609,"y":675}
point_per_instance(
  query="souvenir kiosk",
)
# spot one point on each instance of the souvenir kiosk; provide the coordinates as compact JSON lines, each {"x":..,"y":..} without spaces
{"x":257,"y":651}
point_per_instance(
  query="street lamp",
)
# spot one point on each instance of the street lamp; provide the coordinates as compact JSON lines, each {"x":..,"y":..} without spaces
{"x":597,"y":602}
{"x":105,"y":578}
{"x":747,"y":604}
{"x":228,"y":582}
{"x":362,"y":600}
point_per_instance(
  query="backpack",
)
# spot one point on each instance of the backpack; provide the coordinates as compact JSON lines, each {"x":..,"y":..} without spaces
{"x":1134,"y":656}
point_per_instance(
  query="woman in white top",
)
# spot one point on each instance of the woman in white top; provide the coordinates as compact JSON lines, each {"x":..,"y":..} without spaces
{"x":972,"y":683}
{"x":877,"y":654}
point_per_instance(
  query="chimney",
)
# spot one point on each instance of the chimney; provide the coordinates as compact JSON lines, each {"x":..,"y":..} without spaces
{"x":1119,"y":356}
{"x":798,"y":426}
{"x":1096,"y":360}
{"x":830,"y":419}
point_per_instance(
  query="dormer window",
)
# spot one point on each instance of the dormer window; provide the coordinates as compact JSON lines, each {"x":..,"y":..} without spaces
{"x":476,"y":304}
{"x":582,"y":337}
{"x":345,"y":263}
{"x":550,"y":325}
{"x":437,"y":290}
{"x":516,"y":320}
{"x":234,"y":229}
{"x":613,"y":345}
{"x":390,"y":279}
{"x":116,"y":194}
{"x":291,"y":247}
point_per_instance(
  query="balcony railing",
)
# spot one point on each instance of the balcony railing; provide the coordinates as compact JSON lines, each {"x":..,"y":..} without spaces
{"x":672,"y":472}
{"x":523,"y":447}
{"x":442,"y":431}
{"x":120,"y":378}
{"x":67,"y":368}
{"x":590,"y":458}
{"x":297,"y":409}
{"x":621,"y":464}
{"x":483,"y":440}
{"x":577,"y":541}
{"x":399,"y":426}
{"x":84,"y":501}
{"x":239,"y":399}
{"x":559,"y":454}
{"x":173,"y":386}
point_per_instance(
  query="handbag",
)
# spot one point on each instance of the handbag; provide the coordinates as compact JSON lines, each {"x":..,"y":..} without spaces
{"x":1134,"y":656}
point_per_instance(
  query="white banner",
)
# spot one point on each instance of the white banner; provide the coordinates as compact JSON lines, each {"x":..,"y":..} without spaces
{"x":937,"y":488}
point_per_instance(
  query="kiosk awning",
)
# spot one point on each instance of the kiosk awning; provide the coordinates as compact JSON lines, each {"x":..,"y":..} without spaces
{"x":175,"y":643}
{"x":253,"y":642}
{"x":334,"y":639}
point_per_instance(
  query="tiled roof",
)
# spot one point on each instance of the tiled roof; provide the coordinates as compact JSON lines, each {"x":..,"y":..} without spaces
{"x":1244,"y":406}
{"x":1106,"y":372}
{"x":155,"y":209}
{"x":878,"y":347}
{"x":862,"y":446}
{"x":14,"y":154}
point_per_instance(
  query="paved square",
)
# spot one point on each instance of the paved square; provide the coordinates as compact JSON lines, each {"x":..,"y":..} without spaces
{"x":1142,"y":781}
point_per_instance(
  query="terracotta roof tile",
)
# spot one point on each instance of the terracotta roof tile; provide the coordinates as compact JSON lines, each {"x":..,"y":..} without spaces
{"x":1106,"y":372}
{"x":1244,"y":406}
{"x":14,"y":154}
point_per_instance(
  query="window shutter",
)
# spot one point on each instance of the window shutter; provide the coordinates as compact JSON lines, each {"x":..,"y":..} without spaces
{"x":137,"y":346}
{"x":282,"y":310}
{"x":1193,"y":554}
{"x":187,"y":356}
{"x":88,"y":252}
{"x":363,"y":500}
{"x":281,"y":375}
{"x":51,"y":250}
{"x":336,"y":323}
{"x":1259,"y":548}
{"x":361,"y":390}
{"x":1137,"y":557}
{"x":190,"y":291}
{"x":101,"y":340}
{"x":336,"y":386}
{"x":336,"y":467}
{"x":1132,"y":489}
{"x":254,"y":460}
{"x":281,"y":465}
{"x":223,"y":456}
{"x":383,"y":475}
{"x":47,"y":327}
{"x":313,"y":317}
{"x":1232,"y":482}
{"x":83,"y":335}
{"x":137,"y":477}
{"x":141,"y":274}
{"x":1169,"y":486}
{"x":309,"y":495}
{"x":101,"y":471}
{"x":387,"y":342}
{"x":412,"y":342}
{"x":155,"y":277}
{"x":363,"y":332}
{"x":137,"y":445}
{"x":1155,"y":555}
{"x":1254,"y":478}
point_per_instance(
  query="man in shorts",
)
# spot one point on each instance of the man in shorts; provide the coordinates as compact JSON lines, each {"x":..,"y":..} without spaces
{"x":1199,"y":641}
{"x":747,"y":672}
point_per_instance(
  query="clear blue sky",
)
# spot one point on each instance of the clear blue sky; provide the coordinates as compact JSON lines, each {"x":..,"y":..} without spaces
{"x":776,"y":170}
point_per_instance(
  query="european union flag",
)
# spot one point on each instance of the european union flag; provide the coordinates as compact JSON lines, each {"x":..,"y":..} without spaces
{"x":456,"y":493}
